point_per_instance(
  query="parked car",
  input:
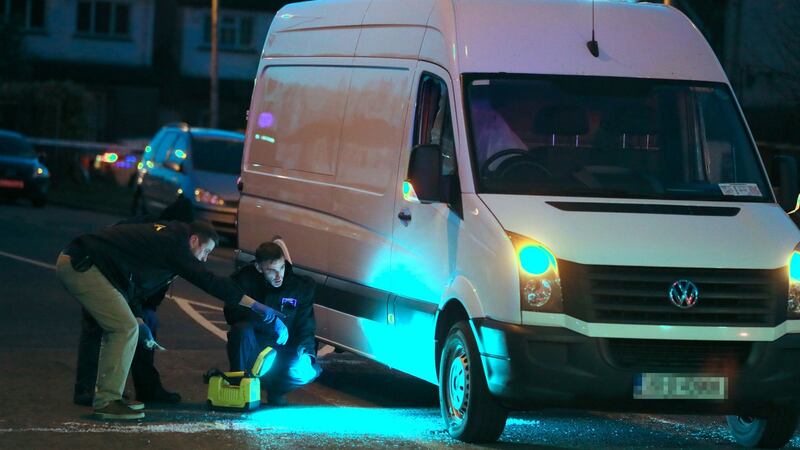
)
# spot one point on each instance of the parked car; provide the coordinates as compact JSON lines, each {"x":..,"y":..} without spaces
{"x":495,"y":205}
{"x":199,"y":163}
{"x":22,"y":174}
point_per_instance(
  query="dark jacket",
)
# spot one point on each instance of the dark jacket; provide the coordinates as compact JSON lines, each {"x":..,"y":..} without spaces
{"x":299,"y":319}
{"x":182,"y":210}
{"x":140,"y":260}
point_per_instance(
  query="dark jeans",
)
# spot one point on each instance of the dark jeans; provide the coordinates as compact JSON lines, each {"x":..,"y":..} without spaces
{"x":146,"y":379}
{"x":289,"y":372}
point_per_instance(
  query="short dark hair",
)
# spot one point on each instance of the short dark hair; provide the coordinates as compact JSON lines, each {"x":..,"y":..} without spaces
{"x":205,"y":231}
{"x":268,"y":251}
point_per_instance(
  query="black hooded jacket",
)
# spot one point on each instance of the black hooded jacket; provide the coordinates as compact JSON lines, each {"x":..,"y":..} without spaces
{"x":140,"y":260}
{"x":295,"y":299}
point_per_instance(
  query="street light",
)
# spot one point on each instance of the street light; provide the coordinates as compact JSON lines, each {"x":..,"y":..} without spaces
{"x":214,"y":94}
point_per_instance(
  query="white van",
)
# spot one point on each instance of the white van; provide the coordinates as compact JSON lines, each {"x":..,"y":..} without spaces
{"x":488,"y":206}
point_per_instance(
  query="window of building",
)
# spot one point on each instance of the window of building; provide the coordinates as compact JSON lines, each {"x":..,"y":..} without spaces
{"x":28,"y":14}
{"x":104,"y":18}
{"x":234,"y":33}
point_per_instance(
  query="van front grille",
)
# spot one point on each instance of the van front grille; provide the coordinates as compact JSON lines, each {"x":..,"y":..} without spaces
{"x":678,"y":356}
{"x":640,"y":295}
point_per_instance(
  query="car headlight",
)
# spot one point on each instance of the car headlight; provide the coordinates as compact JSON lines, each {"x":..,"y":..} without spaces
{"x":41,"y":172}
{"x":793,"y":305}
{"x":203,"y":196}
{"x":540,"y":284}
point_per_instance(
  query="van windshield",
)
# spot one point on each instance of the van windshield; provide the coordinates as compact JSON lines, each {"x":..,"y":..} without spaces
{"x":215,"y":154}
{"x":610,"y":137}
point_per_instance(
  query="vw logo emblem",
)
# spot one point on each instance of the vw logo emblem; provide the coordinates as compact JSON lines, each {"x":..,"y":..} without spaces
{"x":683,"y":294}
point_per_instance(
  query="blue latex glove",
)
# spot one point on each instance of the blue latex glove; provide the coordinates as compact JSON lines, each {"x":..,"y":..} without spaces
{"x":266,"y":312}
{"x":146,"y":338}
{"x":281,"y":331}
{"x":145,"y":335}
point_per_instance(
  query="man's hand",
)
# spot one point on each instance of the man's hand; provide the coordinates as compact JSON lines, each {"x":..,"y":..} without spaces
{"x":146,"y":338}
{"x":265,"y":311}
{"x":281,"y":331}
{"x":145,"y":335}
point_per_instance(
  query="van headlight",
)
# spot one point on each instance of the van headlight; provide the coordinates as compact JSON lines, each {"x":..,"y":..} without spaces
{"x":793,"y":306}
{"x":540,"y":285}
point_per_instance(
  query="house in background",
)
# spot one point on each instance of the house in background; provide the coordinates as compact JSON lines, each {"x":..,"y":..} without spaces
{"x":146,"y":62}
{"x":243,"y":25}
{"x":104,"y":45}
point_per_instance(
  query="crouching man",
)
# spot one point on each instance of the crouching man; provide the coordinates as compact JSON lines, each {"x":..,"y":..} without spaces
{"x":270,"y":280}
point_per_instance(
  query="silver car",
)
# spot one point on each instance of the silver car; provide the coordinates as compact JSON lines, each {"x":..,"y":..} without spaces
{"x":199,"y":163}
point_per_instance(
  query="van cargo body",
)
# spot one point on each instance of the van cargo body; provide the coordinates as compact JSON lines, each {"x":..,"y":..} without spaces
{"x":488,"y":206}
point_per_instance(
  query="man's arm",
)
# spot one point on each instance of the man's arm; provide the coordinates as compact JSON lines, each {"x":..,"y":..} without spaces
{"x":195,"y":272}
{"x":153,"y":301}
{"x":252,"y":285}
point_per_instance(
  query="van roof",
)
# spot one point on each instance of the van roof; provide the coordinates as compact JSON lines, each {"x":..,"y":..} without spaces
{"x":640,"y":40}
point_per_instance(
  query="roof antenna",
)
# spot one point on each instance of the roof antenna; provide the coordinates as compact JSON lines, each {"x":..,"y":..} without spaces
{"x":594,"y":49}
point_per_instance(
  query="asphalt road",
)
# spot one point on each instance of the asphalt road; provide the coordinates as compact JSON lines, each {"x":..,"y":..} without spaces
{"x":354,"y":404}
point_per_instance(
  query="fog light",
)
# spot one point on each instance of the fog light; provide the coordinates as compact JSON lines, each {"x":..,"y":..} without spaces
{"x":538,"y":292}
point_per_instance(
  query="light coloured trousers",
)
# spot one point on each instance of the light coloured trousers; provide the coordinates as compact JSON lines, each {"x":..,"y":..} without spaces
{"x":120,"y":330}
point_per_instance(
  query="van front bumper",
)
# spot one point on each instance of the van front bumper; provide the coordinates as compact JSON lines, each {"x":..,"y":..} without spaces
{"x":535,"y":366}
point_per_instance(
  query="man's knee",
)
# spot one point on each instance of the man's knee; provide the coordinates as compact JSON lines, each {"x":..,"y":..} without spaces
{"x":303,"y":371}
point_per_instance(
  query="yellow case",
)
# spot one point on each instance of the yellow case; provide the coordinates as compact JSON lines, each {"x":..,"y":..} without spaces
{"x":225,"y":394}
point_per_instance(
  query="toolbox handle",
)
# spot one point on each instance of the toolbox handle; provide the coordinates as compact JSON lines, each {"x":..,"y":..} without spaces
{"x":218,"y":373}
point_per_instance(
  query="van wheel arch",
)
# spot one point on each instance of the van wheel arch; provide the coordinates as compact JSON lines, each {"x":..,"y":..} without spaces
{"x":452,"y":313}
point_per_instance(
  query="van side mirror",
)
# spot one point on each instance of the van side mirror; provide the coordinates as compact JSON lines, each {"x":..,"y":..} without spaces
{"x":424,"y":171}
{"x":787,"y":174}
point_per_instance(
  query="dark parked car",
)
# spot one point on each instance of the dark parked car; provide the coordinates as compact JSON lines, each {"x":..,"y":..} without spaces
{"x":199,"y":163}
{"x":22,"y":174}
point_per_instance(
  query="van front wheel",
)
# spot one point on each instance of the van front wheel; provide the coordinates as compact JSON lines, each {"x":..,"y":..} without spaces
{"x":470,"y":412}
{"x":773,"y":431}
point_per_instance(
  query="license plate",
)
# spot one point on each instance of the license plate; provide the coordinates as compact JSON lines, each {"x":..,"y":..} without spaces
{"x":13,"y":184}
{"x":679,"y":386}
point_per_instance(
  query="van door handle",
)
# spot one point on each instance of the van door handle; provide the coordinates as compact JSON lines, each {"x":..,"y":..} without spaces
{"x":404,"y":216}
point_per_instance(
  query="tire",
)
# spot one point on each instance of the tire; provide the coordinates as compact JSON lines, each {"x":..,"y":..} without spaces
{"x":469,"y":411}
{"x":772,"y":431}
